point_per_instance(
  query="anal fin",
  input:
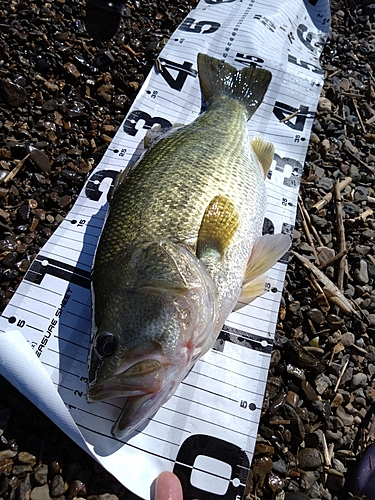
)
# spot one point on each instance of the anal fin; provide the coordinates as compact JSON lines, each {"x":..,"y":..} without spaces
{"x":267,"y":250}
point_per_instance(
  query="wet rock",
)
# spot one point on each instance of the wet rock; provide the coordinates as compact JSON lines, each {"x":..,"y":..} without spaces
{"x":72,"y":70}
{"x":14,"y":94}
{"x":76,"y":488}
{"x":316,"y":316}
{"x":40,"y":160}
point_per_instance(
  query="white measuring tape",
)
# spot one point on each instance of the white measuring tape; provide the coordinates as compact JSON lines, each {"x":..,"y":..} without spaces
{"x":206,"y":432}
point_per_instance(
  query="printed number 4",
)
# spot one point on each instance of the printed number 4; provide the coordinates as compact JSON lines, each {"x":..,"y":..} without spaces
{"x":183,"y":71}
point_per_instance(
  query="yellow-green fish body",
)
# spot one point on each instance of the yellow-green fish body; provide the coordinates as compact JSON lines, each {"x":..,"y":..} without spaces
{"x":174,"y":252}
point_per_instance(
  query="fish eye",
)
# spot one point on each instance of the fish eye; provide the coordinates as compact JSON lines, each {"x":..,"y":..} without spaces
{"x":105,"y":344}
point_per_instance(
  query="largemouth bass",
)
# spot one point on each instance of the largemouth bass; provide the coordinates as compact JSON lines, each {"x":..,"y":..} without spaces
{"x":181,"y":246}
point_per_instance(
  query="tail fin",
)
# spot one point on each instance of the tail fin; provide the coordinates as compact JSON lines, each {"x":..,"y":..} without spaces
{"x":219,"y":78}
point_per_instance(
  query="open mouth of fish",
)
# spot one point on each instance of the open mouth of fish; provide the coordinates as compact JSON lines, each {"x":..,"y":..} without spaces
{"x":132,"y":378}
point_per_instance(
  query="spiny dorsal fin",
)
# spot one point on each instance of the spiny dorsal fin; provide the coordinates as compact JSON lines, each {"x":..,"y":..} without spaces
{"x":119,"y":180}
{"x":154,"y":134}
{"x":264,"y":151}
{"x":219,"y":224}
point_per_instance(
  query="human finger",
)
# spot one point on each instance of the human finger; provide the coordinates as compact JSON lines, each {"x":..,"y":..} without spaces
{"x":168,"y":487}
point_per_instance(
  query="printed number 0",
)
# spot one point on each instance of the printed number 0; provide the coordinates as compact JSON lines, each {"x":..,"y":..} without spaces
{"x":199,"y":449}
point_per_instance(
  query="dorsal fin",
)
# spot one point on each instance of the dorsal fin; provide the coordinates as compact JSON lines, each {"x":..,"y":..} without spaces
{"x":264,"y":151}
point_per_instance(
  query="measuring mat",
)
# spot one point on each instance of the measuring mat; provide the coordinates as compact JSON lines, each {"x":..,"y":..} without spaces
{"x":206,"y":432}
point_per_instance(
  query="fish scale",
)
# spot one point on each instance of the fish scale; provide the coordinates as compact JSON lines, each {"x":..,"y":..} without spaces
{"x":175,"y":249}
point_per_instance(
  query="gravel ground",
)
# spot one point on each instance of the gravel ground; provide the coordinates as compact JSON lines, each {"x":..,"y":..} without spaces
{"x":62,"y":99}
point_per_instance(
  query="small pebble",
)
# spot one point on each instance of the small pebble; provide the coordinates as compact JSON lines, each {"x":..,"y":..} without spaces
{"x":359,"y":380}
{"x":41,"y":473}
{"x":40,"y":493}
{"x":57,"y":486}
{"x":309,"y":459}
{"x":40,"y":160}
{"x":322,"y":382}
{"x":347,"y":339}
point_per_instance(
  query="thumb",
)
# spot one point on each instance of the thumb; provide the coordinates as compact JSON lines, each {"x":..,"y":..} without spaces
{"x":168,"y":487}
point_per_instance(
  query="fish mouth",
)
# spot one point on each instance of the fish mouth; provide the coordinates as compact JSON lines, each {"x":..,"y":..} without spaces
{"x":136,"y":379}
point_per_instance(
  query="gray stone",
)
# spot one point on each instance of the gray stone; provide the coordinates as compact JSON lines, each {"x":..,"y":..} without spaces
{"x":360,"y":193}
{"x":347,"y":339}
{"x":350,"y":209}
{"x":322,"y":382}
{"x":324,"y":494}
{"x":314,"y":491}
{"x":40,"y":493}
{"x":41,"y":473}
{"x":361,"y":273}
{"x":310,"y":478}
{"x":350,"y":291}
{"x":345,"y":418}
{"x":279,"y":466}
{"x":319,"y":222}
{"x":325,"y":183}
{"x":339,"y":466}
{"x":359,"y":380}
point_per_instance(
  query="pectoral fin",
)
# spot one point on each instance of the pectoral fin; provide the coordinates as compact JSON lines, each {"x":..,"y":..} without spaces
{"x":267,"y":250}
{"x":264,"y":151}
{"x":219,"y":224}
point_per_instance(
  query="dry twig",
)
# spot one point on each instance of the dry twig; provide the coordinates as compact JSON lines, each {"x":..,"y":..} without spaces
{"x":328,"y":197}
{"x":330,"y":289}
{"x":16,"y":169}
{"x":340,"y":236}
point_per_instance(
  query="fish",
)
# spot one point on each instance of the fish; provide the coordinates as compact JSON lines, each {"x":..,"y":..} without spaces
{"x":182,"y":246}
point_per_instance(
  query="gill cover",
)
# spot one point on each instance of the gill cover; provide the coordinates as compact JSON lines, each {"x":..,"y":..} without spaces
{"x":153,"y":326}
